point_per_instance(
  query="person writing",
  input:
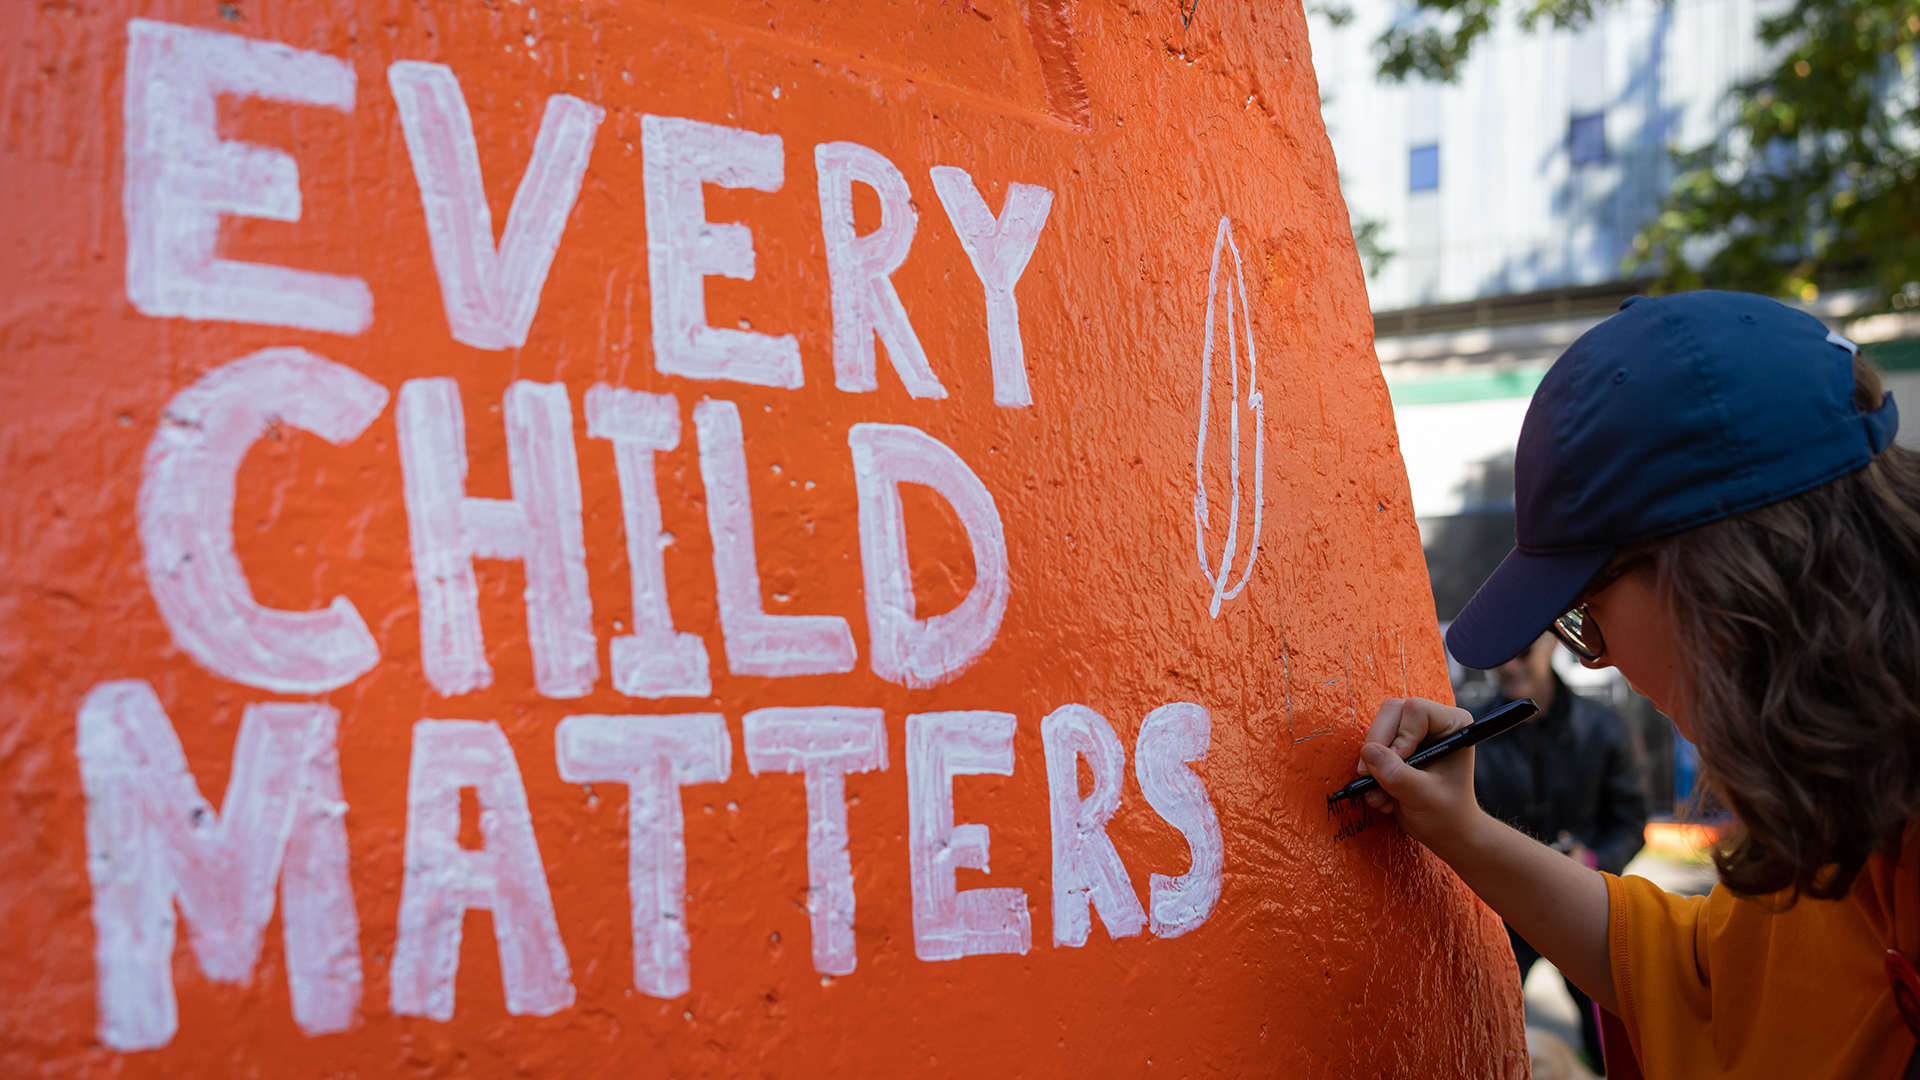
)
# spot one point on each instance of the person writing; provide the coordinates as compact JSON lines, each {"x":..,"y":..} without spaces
{"x":1569,"y":778}
{"x":1709,"y":499}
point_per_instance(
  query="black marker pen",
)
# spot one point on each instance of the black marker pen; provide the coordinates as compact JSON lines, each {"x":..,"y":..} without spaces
{"x":1499,"y":721}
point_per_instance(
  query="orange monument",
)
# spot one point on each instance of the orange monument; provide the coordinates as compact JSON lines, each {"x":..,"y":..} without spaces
{"x":743,"y":538}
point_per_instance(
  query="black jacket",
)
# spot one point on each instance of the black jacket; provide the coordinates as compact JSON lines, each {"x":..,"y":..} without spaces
{"x":1572,"y":768}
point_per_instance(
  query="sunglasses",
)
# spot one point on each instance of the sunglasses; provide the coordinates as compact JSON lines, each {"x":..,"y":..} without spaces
{"x":1575,"y":627}
{"x":1580,"y":634}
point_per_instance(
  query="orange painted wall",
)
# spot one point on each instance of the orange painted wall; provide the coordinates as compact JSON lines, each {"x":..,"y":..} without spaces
{"x":1326,"y":955}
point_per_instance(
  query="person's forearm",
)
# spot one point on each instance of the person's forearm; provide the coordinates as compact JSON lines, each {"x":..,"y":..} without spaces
{"x":1558,"y":905}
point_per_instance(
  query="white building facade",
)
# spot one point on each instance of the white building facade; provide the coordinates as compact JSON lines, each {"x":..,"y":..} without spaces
{"x":1536,"y":168}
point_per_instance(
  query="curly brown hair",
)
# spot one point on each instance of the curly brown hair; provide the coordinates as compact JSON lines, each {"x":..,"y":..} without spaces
{"x":1802,"y":624}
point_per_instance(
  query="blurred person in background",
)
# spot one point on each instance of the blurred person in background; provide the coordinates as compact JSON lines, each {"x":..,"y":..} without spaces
{"x":1570,"y":779}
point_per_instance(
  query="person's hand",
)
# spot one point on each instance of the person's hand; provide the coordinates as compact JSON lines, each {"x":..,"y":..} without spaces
{"x":1434,"y":805}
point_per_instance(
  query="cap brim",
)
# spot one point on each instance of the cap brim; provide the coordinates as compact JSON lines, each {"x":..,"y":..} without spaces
{"x":1517,"y":604}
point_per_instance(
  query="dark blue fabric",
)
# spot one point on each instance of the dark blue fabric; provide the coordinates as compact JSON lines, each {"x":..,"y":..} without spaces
{"x":1675,"y":412}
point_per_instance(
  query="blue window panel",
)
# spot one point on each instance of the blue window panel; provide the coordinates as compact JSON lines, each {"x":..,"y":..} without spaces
{"x":1587,"y":139}
{"x":1423,"y":168}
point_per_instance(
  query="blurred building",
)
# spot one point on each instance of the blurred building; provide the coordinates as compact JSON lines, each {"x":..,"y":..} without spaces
{"x":1507,"y":203}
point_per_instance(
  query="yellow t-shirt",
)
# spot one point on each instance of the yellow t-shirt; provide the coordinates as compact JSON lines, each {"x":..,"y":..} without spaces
{"x":1720,"y":986}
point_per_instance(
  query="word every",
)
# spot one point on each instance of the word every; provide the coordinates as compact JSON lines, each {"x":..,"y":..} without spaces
{"x":182,"y":179}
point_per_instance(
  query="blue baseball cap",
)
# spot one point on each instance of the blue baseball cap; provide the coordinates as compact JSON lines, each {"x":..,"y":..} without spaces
{"x":1676,"y":411}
